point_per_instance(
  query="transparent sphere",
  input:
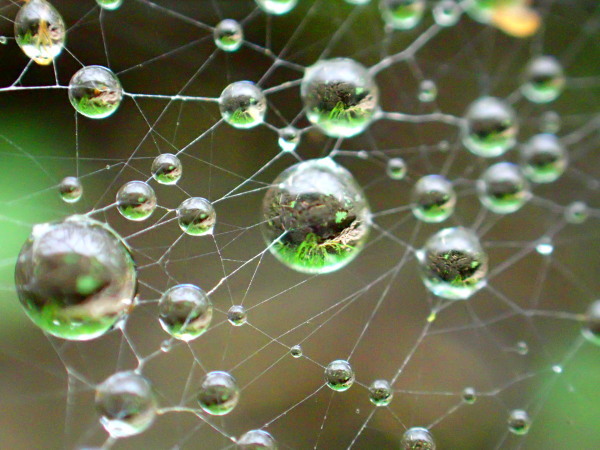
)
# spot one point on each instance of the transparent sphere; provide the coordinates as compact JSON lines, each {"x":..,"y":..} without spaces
{"x":591,"y":327}
{"x":196,"y":216}
{"x":544,"y":246}
{"x":109,"y":4}
{"x":433,"y":199}
{"x":396,"y":168}
{"x":576,"y":213}
{"x":166,"y":169}
{"x":218,"y":394}
{"x":481,"y":10}
{"x":427,"y":91}
{"x":237,"y":315}
{"x":243,"y":105}
{"x":490,"y":127}
{"x":339,"y":375}
{"x":543,"y":80}
{"x":469,"y":395}
{"x":136,"y":200}
{"x":519,"y":422}
{"x":277,"y":7}
{"x":503,"y":189}
{"x":75,"y":278}
{"x":126,"y":403}
{"x":256,"y":440}
{"x":340,"y":96}
{"x":95,"y":92}
{"x":550,"y":122}
{"x":185,"y":312}
{"x":453,"y":264}
{"x":70,"y":189}
{"x":446,"y":13}
{"x":522,"y":348}
{"x":380,"y":393}
{"x":543,"y":158}
{"x":316,"y":217}
{"x":40,"y":31}
{"x":417,"y":438}
{"x":289,"y":138}
{"x":402,"y":14}
{"x":296,"y":351}
{"x":228,"y":35}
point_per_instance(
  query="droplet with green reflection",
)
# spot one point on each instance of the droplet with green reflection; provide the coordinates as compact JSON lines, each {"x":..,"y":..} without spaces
{"x":219,"y":394}
{"x":185,"y":312}
{"x":339,"y":375}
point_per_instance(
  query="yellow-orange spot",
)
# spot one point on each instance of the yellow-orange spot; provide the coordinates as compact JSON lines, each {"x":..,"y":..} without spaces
{"x":517,"y":20}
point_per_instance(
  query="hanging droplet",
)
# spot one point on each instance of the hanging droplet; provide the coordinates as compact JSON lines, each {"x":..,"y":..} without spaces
{"x":136,"y":200}
{"x":503,"y":189}
{"x":446,"y":13}
{"x":185,"y":312}
{"x":427,"y":91}
{"x":109,"y":4}
{"x":70,"y":189}
{"x":289,"y":138}
{"x":40,"y":31}
{"x":126,"y":403}
{"x":75,"y":278}
{"x":402,"y":14}
{"x":340,"y":97}
{"x":396,"y":168}
{"x":277,"y":7}
{"x":453,"y":264}
{"x":522,"y":348}
{"x":543,"y":158}
{"x":543,"y":80}
{"x":433,"y":199}
{"x":166,"y":169}
{"x":339,"y":375}
{"x":591,"y":327}
{"x":296,"y":351}
{"x":95,"y":92}
{"x":316,"y":217}
{"x":545,"y":246}
{"x":417,"y":438}
{"x":469,"y":395}
{"x":237,"y":315}
{"x":576,"y":213}
{"x":380,"y":393}
{"x":229,"y":35}
{"x":490,"y":127}
{"x":256,"y":440}
{"x":519,"y":422}
{"x":196,"y":216}
{"x":550,"y":122}
{"x":243,"y":105}
{"x":218,"y":394}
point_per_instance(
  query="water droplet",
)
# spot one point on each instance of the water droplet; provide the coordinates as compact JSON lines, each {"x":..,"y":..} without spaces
{"x":381,"y":393}
{"x":576,"y":213}
{"x":427,"y":91}
{"x":340,"y":96}
{"x":396,"y":168}
{"x":3,"y":40}
{"x":433,"y":199}
{"x":469,"y":395}
{"x":126,"y":403}
{"x":591,"y":327}
{"x":453,"y":264}
{"x":296,"y":351}
{"x":166,"y":346}
{"x":243,"y":105}
{"x":490,"y":127}
{"x":315,"y":217}
{"x":70,"y":189}
{"x":543,"y":158}
{"x":218,"y":394}
{"x":402,"y":14}
{"x":446,"y":13}
{"x":550,"y":122}
{"x":237,"y":315}
{"x":289,"y":138}
{"x":544,"y":246}
{"x":228,"y":35}
{"x":522,"y":348}
{"x":109,"y":4}
{"x":503,"y":189}
{"x":40,"y":31}
{"x":543,"y":80}
{"x":339,"y":375}
{"x":417,"y":438}
{"x":557,"y":369}
{"x":519,"y":422}
{"x":256,"y":440}
{"x":196,"y":216}
{"x":185,"y":312}
{"x":75,"y":278}
{"x":167,"y":169}
{"x":136,"y":200}
{"x":95,"y":92}
{"x":277,"y":7}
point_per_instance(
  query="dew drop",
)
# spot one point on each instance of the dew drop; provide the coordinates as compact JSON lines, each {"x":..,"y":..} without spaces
{"x":503,"y":189}
{"x":469,"y":395}
{"x":427,"y":91}
{"x":228,"y":35}
{"x":576,"y":213}
{"x":545,"y":246}
{"x":256,"y":440}
{"x":446,"y":13}
{"x":296,"y":351}
{"x":417,"y":438}
{"x":196,"y":216}
{"x":95,"y":92}
{"x":70,"y":189}
{"x":185,"y":312}
{"x":166,"y":169}
{"x":136,"y":200}
{"x":277,"y":7}
{"x":218,"y":394}
{"x":339,"y":375}
{"x":381,"y":393}
{"x":433,"y":199}
{"x":40,"y":31}
{"x":243,"y":105}
{"x":543,"y":80}
{"x":543,"y":158}
{"x":396,"y":168}
{"x":289,"y":138}
{"x":109,"y":4}
{"x":402,"y":14}
{"x":519,"y":422}
{"x":591,"y":327}
{"x":237,"y":315}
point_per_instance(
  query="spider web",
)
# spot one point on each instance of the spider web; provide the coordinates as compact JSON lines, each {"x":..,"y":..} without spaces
{"x":517,"y":342}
